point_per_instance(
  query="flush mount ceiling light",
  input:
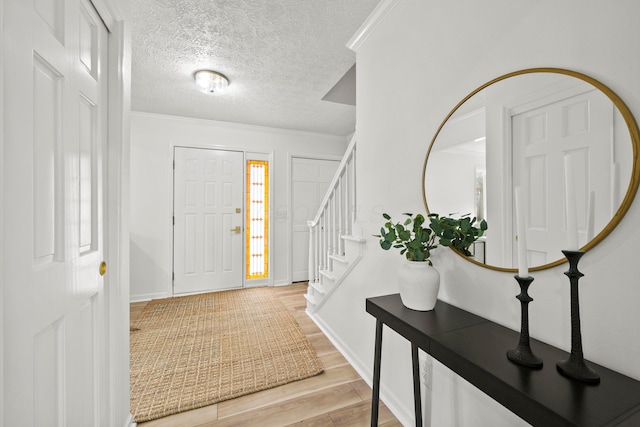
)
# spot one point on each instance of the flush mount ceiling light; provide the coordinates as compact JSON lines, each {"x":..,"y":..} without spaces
{"x":211,"y":82}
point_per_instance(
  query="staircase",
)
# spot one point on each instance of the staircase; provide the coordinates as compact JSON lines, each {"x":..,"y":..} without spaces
{"x":335,"y":244}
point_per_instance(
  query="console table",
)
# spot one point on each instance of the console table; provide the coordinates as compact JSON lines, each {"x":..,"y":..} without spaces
{"x":475,"y":349}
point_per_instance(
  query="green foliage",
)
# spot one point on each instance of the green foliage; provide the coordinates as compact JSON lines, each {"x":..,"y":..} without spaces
{"x":416,"y":241}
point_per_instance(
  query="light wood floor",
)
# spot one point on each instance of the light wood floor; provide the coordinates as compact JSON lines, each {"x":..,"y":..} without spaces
{"x":337,"y":397}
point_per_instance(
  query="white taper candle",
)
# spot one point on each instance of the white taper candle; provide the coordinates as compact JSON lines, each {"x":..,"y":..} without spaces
{"x":570,"y":193}
{"x":591,"y":212}
{"x":615,"y":188}
{"x":521,"y":228}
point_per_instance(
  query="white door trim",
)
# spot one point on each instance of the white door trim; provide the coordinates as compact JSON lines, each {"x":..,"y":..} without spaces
{"x":117,"y":211}
{"x":268,"y":156}
{"x":2,"y":411}
{"x":168,"y":289}
{"x":289,"y":236}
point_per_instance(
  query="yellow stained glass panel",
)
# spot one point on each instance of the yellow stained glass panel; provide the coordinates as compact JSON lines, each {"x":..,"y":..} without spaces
{"x":257,"y":220}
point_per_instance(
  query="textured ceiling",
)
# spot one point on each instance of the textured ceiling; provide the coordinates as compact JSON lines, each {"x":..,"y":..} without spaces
{"x":281,"y":57}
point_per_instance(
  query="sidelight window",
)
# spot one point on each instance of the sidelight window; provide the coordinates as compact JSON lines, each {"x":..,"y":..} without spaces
{"x":257,"y":230}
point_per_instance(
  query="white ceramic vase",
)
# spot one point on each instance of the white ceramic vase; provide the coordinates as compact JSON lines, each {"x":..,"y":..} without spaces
{"x":419,"y":283}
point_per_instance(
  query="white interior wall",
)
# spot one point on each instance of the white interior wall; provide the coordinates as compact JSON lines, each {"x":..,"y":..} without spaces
{"x":459,"y":197}
{"x":440,"y":52}
{"x":152,"y":140}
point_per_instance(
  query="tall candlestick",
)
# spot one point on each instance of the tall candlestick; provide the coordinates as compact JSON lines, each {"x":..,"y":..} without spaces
{"x":523,"y":269}
{"x":572,"y":220}
{"x":591,"y":211}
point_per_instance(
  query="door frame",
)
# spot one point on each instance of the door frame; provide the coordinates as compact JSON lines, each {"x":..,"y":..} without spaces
{"x":117,"y":206}
{"x":289,"y":236}
{"x":247,"y":155}
{"x":117,"y":210}
{"x":2,"y":411}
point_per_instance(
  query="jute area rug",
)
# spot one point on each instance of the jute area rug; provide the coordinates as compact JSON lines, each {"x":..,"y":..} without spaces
{"x":193,"y":351}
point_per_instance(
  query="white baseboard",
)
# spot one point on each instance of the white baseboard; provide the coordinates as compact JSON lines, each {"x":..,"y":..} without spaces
{"x":130,"y":422}
{"x":148,"y":297}
{"x":281,"y":283}
{"x":403,"y":413}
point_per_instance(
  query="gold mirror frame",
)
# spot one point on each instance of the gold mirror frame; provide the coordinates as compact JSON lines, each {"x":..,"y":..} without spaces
{"x":635,"y":172}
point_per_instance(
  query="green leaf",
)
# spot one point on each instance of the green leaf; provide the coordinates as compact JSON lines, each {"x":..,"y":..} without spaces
{"x":386,"y":245}
{"x":386,"y":216}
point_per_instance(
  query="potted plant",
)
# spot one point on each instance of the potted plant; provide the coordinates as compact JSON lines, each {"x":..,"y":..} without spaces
{"x":418,"y":280}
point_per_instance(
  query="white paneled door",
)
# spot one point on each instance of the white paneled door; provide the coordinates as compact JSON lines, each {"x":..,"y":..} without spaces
{"x":55,"y":114}
{"x":579,"y":127}
{"x":310,"y":179}
{"x":208,"y":220}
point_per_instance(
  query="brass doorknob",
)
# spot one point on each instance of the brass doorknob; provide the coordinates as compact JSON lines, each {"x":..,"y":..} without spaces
{"x":103,"y":268}
{"x":237,"y":229}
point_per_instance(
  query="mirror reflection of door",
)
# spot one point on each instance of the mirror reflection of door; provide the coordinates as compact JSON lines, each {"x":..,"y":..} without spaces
{"x":208,"y":218}
{"x":578,"y":127}
{"x":310,"y":179}
{"x":553,"y":114}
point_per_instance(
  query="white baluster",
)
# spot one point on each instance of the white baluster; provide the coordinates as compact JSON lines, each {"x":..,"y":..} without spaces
{"x":334,"y":249}
{"x":353,"y":187}
{"x":312,"y":255}
{"x":340,"y":209}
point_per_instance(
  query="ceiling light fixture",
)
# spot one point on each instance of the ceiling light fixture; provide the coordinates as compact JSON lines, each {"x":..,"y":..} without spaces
{"x":211,"y":82}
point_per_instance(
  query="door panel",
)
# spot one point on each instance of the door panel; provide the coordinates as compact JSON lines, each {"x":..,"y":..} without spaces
{"x":208,"y":201}
{"x":55,"y":99}
{"x":579,"y":127}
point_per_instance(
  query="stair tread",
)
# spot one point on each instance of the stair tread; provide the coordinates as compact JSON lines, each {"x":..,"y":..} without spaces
{"x":318,"y":287}
{"x":339,"y":258}
{"x":328,"y":274}
{"x":310,"y":298}
{"x":353,"y":238}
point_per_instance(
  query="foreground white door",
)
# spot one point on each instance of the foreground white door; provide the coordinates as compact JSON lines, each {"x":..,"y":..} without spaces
{"x":310,"y":179}
{"x":208,"y":220}
{"x":55,"y":106}
{"x":579,"y":127}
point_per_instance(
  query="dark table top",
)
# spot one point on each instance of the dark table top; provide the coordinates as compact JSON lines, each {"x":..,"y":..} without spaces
{"x":475,"y":348}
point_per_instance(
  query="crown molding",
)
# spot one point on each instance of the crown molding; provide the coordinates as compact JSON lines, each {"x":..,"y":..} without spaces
{"x":368,"y":27}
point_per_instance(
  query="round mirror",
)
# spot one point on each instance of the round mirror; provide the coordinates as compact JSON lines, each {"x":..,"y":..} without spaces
{"x":526,"y":129}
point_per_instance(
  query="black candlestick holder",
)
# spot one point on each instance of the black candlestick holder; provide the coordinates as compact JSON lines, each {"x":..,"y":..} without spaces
{"x":575,"y":366}
{"x":522,"y":354}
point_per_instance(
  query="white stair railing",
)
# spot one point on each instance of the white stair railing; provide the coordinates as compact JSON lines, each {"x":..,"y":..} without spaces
{"x":334,"y":218}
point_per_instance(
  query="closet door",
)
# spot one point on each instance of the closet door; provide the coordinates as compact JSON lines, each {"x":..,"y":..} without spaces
{"x":55,"y":115}
{"x":310,"y":179}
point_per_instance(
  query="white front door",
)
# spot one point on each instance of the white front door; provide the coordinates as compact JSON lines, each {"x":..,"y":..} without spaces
{"x":310,"y":179}
{"x":208,"y":220}
{"x":55,"y":116}
{"x":579,"y":127}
